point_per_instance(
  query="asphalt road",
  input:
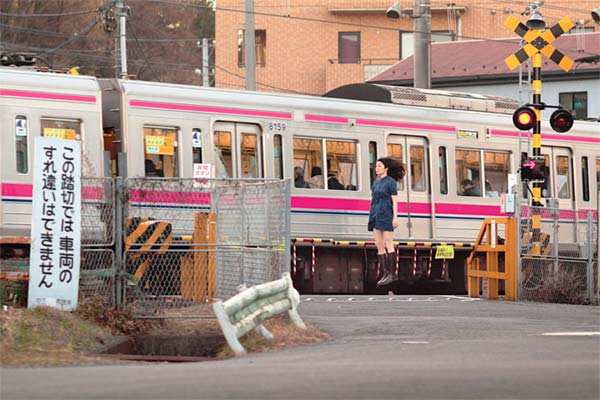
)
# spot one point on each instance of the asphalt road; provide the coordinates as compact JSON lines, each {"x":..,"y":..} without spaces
{"x":400,"y":347}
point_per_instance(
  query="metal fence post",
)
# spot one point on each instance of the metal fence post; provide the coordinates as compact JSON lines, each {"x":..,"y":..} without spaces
{"x":518,"y":239}
{"x":119,"y":238}
{"x":288,"y":239}
{"x":590,"y":255}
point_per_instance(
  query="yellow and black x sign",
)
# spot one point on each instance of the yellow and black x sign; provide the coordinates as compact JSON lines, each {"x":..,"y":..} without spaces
{"x":538,"y":41}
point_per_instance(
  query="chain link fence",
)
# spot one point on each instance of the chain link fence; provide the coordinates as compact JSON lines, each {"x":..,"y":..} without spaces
{"x":560,"y":262}
{"x":98,"y":269}
{"x":187,"y":242}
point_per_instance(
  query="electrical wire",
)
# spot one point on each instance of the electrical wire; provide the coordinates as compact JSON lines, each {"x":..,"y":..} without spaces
{"x":69,"y":14}
{"x":142,"y":50}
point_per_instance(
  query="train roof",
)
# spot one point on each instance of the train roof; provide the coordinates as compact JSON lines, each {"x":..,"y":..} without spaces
{"x":12,"y":77}
{"x":425,"y":97}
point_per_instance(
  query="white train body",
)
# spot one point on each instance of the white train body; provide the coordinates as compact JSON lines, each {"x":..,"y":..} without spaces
{"x":263,"y":134}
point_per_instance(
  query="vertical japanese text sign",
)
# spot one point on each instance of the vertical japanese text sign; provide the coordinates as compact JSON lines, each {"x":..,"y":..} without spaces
{"x":56,"y":224}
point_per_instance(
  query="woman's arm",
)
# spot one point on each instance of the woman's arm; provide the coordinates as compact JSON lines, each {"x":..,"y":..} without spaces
{"x":395,"y":222}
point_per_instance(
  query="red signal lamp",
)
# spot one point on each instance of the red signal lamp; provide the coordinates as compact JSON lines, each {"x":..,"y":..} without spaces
{"x":524,"y":118}
{"x":561,"y":120}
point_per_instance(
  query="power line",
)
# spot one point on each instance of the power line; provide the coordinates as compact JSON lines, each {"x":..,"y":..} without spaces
{"x":142,"y":50}
{"x":69,"y":14}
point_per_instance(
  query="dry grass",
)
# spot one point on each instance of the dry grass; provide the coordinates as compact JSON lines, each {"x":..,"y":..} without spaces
{"x":44,"y":336}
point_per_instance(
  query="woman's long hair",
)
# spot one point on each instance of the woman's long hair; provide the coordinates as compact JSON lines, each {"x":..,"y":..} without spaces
{"x":395,"y":168}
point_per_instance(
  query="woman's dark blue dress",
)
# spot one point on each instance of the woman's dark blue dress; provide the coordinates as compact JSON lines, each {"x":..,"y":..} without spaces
{"x":382,"y":208}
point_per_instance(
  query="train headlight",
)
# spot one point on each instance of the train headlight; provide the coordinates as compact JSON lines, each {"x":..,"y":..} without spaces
{"x":524,"y":118}
{"x":561,"y":120}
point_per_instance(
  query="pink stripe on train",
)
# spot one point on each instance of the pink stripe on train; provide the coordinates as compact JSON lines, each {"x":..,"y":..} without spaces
{"x":209,"y":109}
{"x":550,"y":136}
{"x":406,"y":125}
{"x":17,"y":189}
{"x":47,"y":96}
{"x":326,"y":118}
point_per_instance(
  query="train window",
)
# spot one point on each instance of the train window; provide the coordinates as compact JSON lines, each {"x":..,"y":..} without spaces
{"x":160,"y":152}
{"x":563,"y":177}
{"x":250,"y":164}
{"x":418,"y":178}
{"x":395,"y":150}
{"x":61,"y":128}
{"x":585,"y":178}
{"x":497,"y":166}
{"x":277,"y":156}
{"x":341,"y":165}
{"x":598,"y":174}
{"x":197,"y":146}
{"x":467,"y":172}
{"x":223,"y":159}
{"x":308,"y":156}
{"x":372,"y":160}
{"x":443,"y":170}
{"x":22,"y":144}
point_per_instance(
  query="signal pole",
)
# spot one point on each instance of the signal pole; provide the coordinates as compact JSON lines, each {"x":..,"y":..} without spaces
{"x":422,"y":44}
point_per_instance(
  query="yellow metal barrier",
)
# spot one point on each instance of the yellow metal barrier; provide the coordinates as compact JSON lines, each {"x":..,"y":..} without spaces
{"x":487,"y":242}
{"x":198,"y":269}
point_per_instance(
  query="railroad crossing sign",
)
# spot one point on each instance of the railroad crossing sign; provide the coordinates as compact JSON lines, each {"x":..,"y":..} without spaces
{"x":538,"y":41}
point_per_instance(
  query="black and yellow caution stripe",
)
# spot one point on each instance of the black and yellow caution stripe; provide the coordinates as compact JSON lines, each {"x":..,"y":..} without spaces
{"x":371,"y":243}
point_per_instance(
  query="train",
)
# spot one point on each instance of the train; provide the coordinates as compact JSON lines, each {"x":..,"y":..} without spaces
{"x":325,"y":145}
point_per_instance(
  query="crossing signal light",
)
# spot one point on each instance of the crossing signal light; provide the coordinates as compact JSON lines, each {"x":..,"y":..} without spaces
{"x":524,"y":118}
{"x":561,"y":120}
{"x":532,"y":169}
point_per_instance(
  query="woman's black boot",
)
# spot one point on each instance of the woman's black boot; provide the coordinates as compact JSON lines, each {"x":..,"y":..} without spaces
{"x":386,"y":277}
{"x":391,"y":262}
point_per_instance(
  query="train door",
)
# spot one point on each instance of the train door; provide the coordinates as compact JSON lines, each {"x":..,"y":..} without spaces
{"x":414,"y":190}
{"x":559,"y":182}
{"x":237,"y":150}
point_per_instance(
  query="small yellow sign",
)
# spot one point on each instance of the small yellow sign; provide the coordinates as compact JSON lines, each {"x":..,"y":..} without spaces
{"x":444,"y":252}
{"x":59,"y":133}
{"x":160,"y":145}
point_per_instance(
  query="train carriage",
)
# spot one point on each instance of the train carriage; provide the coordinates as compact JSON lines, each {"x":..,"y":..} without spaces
{"x":329,"y":144}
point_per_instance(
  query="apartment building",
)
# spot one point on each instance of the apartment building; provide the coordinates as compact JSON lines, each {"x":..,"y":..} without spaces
{"x":313,"y":46}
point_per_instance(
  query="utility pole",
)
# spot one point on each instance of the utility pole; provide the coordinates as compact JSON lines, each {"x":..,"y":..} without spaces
{"x":205,"y":80}
{"x":123,"y":13}
{"x":422,"y":43}
{"x":250,"y":41}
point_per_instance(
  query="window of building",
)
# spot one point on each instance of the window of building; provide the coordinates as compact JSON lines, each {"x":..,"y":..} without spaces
{"x":585,"y":179}
{"x":260,"y":39}
{"x":349,"y":47}
{"x":407,"y":41}
{"x":563,"y":177}
{"x":576,"y":103}
{"x":22,"y":144}
{"x":278,"y":156}
{"x":160,"y":152}
{"x":443,"y":170}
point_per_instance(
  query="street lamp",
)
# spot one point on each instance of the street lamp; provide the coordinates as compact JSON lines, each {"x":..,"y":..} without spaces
{"x":596,"y":15}
{"x":422,"y":39}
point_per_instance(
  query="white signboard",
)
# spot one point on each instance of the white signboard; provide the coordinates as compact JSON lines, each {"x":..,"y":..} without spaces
{"x":56,"y":224}
{"x":202,"y":172}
